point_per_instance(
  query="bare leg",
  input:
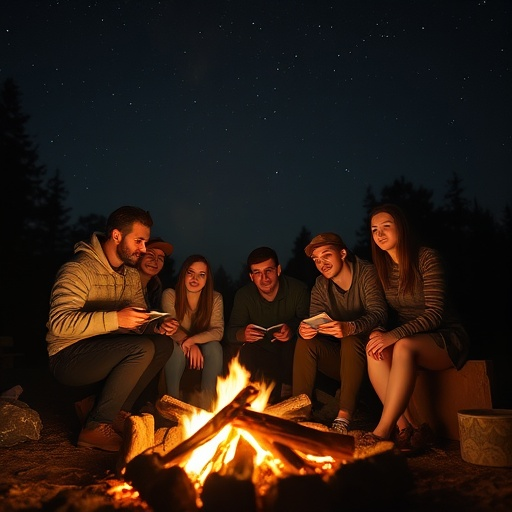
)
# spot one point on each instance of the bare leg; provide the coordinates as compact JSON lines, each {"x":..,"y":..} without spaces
{"x":379,"y":373}
{"x":408,"y":355}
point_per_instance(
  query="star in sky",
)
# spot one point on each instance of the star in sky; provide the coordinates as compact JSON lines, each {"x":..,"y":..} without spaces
{"x":237,"y":123}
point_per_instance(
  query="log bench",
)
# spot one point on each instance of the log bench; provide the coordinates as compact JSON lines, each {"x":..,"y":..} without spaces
{"x":439,"y":395}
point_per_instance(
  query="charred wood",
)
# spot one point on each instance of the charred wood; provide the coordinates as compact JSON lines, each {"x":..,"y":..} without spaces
{"x":296,"y":436}
{"x":163,"y":489}
{"x":228,"y":494}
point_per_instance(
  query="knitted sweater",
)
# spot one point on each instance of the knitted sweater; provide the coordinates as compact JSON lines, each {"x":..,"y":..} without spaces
{"x":427,"y":310}
{"x":215,"y":330}
{"x":363,"y":303}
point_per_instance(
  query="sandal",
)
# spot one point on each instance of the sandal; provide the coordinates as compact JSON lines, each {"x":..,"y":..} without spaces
{"x":413,"y":441}
{"x":369,"y":439}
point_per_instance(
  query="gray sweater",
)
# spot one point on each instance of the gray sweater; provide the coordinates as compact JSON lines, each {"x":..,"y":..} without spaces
{"x":363,"y":303}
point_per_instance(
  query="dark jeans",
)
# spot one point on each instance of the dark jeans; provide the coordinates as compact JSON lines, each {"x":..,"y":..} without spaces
{"x":269,"y":366}
{"x":125,"y":363}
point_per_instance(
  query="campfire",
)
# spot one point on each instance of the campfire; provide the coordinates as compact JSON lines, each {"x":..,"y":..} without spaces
{"x":244,"y":455}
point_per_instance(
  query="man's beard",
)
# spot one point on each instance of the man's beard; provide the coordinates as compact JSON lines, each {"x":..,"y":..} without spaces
{"x":127,"y":257}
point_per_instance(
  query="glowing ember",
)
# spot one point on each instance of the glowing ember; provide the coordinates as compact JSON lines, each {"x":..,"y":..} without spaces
{"x":126,"y":494}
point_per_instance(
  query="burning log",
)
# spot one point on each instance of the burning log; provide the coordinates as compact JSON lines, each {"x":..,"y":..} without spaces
{"x":296,"y":462}
{"x":288,"y":443}
{"x":231,"y":488}
{"x":163,"y":489}
{"x":212,"y":427}
{"x":228,"y":494}
{"x":296,"y":436}
{"x":293,"y":408}
{"x":148,"y":462}
{"x":242,"y":464}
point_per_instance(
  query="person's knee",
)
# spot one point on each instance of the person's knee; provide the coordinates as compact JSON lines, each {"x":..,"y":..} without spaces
{"x":177,"y":358}
{"x":145,"y":346}
{"x":353,"y":346}
{"x":212,"y":348}
{"x":403,"y":349}
{"x":303,"y":345}
{"x":163,"y":345}
{"x":213,"y":354}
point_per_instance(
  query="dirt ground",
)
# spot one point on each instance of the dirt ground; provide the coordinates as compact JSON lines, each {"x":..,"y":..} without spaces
{"x":52,"y":474}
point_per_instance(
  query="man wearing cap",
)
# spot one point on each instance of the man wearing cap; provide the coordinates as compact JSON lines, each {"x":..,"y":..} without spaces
{"x":348,"y":290}
{"x":270,"y":299}
{"x":149,"y":266}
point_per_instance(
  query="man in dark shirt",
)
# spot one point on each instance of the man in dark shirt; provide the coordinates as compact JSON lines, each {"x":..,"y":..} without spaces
{"x":270,"y":299}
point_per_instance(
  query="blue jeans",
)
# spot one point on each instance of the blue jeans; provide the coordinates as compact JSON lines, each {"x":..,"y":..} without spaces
{"x":213,"y":363}
{"x":125,"y":363}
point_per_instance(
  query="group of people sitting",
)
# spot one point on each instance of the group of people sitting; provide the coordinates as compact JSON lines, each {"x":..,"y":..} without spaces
{"x":384,"y":319}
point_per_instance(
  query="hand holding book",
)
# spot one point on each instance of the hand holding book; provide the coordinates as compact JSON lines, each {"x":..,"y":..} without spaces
{"x":254,"y":332}
{"x":317,"y":320}
{"x":269,"y":330}
{"x":156,"y":314}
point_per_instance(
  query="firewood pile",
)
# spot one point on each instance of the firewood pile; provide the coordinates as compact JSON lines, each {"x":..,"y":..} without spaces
{"x":304,"y":466}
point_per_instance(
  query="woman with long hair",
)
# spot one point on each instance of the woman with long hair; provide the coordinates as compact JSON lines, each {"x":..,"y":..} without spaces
{"x":199,"y":311}
{"x":422,"y":331}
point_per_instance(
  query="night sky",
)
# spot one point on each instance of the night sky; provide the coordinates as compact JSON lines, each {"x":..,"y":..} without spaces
{"x":235,"y":123}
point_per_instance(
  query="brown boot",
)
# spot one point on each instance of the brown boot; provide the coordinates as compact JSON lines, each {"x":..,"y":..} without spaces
{"x":101,"y":436}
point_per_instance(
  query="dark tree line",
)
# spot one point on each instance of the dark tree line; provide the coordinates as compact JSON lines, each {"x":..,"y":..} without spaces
{"x":38,"y":238}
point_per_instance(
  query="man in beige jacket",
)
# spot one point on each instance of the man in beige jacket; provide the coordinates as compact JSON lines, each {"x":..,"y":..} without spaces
{"x":98,"y":329}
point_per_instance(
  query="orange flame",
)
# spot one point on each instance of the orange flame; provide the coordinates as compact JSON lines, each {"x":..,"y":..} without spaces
{"x":202,"y":460}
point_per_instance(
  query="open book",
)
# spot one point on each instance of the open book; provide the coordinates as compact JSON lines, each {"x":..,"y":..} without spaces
{"x":156,"y":314}
{"x":270,"y":329}
{"x":317,"y":320}
{"x":153,"y":315}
